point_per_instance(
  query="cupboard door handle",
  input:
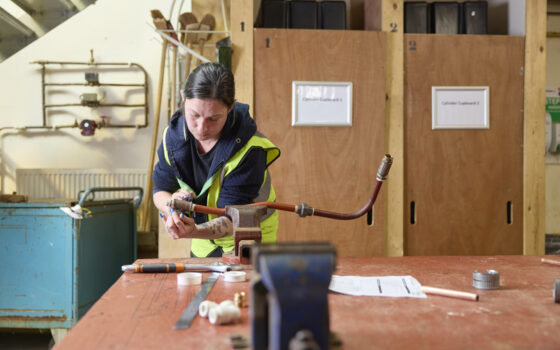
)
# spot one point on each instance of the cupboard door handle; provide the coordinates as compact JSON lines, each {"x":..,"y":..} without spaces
{"x":412,"y":212}
{"x":509,"y":213}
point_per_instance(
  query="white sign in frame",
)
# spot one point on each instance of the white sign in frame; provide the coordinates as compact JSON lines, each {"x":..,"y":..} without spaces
{"x":460,"y":107}
{"x":321,"y":103}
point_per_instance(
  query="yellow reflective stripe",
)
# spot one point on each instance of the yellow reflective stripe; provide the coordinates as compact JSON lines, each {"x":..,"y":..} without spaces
{"x":202,"y":247}
{"x":165,"y":147}
{"x":272,"y":153}
{"x":208,"y":184}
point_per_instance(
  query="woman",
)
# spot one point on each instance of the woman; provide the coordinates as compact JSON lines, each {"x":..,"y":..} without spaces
{"x":212,"y":154}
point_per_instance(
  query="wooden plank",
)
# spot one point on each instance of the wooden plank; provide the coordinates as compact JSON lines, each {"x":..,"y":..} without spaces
{"x":242,"y":19}
{"x":392,"y":22}
{"x":462,"y":180}
{"x":139,"y":310}
{"x":169,"y":247}
{"x":13,"y":198}
{"x":534,"y":126}
{"x":331,"y":168}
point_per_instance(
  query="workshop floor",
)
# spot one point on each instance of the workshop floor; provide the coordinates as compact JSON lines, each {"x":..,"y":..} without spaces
{"x":25,"y":340}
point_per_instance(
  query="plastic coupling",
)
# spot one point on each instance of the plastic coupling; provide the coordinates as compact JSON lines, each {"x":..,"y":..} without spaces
{"x":223,"y":313}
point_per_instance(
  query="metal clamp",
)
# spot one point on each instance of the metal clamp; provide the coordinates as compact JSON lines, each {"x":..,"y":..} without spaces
{"x":556,"y":290}
{"x":489,"y":280}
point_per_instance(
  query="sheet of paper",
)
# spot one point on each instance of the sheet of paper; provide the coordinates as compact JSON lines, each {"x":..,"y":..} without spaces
{"x":386,"y":286}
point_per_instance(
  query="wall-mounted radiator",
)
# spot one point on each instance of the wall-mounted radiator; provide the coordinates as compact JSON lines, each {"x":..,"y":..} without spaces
{"x":48,"y":184}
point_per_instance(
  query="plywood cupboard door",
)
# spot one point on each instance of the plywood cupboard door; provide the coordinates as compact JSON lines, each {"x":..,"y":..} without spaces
{"x":464,"y":188}
{"x":331,"y":168}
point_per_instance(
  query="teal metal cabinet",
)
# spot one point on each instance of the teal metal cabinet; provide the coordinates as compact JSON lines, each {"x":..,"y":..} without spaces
{"x":53,"y":267}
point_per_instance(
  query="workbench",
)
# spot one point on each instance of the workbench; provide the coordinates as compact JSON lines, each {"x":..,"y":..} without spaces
{"x":140,"y":310}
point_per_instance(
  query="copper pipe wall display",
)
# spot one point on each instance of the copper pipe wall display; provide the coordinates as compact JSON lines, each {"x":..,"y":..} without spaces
{"x":92,"y":63}
{"x":303,"y":209}
{"x":99,"y":124}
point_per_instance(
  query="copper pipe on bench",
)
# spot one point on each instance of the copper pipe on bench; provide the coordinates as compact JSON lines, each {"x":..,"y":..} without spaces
{"x":303,"y":209}
{"x":450,"y":293}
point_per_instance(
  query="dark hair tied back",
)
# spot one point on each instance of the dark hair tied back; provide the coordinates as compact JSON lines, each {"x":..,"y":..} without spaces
{"x":211,"y":80}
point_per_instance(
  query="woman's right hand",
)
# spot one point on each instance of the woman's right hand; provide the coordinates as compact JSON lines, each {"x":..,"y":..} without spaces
{"x":183,"y":195}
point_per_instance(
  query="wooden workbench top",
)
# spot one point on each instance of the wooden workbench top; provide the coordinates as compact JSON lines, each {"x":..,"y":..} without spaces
{"x":139,"y":310}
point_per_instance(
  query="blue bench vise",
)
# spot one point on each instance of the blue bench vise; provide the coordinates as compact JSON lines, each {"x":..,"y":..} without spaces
{"x":289,"y":289}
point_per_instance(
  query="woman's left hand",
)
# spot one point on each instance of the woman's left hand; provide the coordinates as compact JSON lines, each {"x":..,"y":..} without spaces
{"x":178,"y":225}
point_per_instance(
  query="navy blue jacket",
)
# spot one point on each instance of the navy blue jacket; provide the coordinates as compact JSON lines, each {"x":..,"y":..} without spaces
{"x":241,"y":186}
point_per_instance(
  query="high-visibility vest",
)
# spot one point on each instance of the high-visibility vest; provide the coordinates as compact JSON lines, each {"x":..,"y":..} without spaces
{"x":213,"y":185}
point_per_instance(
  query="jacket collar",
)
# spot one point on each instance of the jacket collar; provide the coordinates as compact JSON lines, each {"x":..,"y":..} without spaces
{"x":237,"y":131}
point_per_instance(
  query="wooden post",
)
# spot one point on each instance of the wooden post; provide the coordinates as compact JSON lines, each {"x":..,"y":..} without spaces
{"x":392,"y":22}
{"x":242,"y":19}
{"x":534,"y":128}
{"x":146,"y":210}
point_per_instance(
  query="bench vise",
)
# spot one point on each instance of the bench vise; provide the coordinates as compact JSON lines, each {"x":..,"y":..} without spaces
{"x":289,"y":287}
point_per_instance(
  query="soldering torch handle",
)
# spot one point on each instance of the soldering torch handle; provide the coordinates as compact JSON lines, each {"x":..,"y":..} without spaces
{"x":159,"y":267}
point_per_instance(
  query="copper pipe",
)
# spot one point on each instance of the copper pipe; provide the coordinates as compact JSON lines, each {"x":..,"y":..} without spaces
{"x":550,"y":261}
{"x":275,"y":205}
{"x":365,"y":209}
{"x":303,"y":209}
{"x":450,"y":293}
{"x":325,"y":213}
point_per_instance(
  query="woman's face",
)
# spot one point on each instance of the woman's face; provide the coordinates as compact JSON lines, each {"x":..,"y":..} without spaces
{"x":206,"y":118}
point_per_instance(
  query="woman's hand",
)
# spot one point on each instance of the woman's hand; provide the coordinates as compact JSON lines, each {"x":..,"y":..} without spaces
{"x":178,"y":225}
{"x":183,"y":195}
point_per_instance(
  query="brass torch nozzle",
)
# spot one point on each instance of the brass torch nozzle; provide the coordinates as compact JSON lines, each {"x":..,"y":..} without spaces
{"x":384,"y":167}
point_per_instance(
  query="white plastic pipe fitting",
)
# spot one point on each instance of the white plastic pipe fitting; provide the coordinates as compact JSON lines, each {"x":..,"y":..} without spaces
{"x":224,"y":313}
{"x":205,"y":307}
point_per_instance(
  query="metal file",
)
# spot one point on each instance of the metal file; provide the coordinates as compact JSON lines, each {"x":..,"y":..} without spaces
{"x":190,"y":312}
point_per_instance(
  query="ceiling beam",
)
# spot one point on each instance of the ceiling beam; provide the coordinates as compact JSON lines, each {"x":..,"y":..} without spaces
{"x":15,"y":23}
{"x":25,"y":7}
{"x":77,"y":4}
{"x":26,"y":22}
